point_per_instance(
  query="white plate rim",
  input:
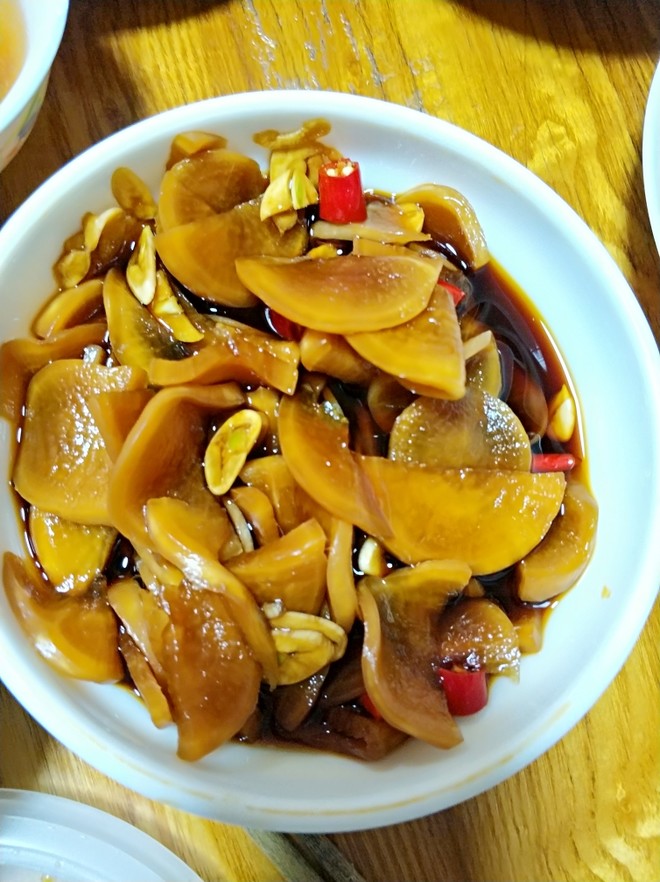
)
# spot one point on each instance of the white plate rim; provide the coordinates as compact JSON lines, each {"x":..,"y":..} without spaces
{"x":77,"y":835}
{"x":651,"y":154}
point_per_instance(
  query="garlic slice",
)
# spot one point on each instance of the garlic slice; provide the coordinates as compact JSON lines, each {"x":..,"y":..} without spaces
{"x":229,"y":448}
{"x":141,"y":269}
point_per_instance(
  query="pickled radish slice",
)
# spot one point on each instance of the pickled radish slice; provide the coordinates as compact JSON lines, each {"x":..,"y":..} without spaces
{"x":315,"y":448}
{"x":76,"y":635}
{"x":477,"y":431}
{"x":62,"y":465}
{"x":562,"y":557}
{"x":203,"y":636}
{"x":477,"y":633}
{"x":426,"y":351}
{"x":162,"y":455}
{"x":342,"y":295}
{"x":488,"y":518}
{"x":201,"y":254}
{"x":269,"y":574}
{"x":450,"y":219}
{"x":71,"y":554}
{"x":399,"y":613}
{"x":206,"y":183}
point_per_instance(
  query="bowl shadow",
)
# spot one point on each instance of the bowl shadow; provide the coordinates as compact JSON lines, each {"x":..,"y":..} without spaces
{"x":617,"y":27}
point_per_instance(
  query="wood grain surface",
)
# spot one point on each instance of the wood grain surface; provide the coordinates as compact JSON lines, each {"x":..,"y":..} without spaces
{"x":561,"y":85}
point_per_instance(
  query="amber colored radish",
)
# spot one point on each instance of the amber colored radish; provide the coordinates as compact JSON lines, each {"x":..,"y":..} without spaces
{"x":561,"y":558}
{"x":203,"y":636}
{"x":425,"y":350}
{"x":201,"y":254}
{"x":399,"y":648}
{"x":342,"y":295}
{"x":76,"y":635}
{"x":205,"y":183}
{"x":57,"y":468}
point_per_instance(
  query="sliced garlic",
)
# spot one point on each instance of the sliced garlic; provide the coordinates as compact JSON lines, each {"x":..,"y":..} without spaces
{"x":295,"y":621}
{"x":303,"y":192}
{"x":132,"y":194}
{"x":371,"y":558}
{"x":325,"y":251}
{"x":72,"y":267}
{"x":562,"y":415}
{"x":305,"y":643}
{"x":412,"y":216}
{"x":94,"y":354}
{"x":166,"y":307}
{"x":302,"y":640}
{"x":189,"y":143}
{"x":141,"y":269}
{"x":309,"y":132}
{"x":286,"y":220}
{"x":94,"y":224}
{"x":476,"y":344}
{"x":229,"y":448}
{"x":240,"y":523}
{"x":298,"y":666}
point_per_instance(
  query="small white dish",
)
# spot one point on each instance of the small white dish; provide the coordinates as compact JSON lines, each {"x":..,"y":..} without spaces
{"x":651,"y":155}
{"x":613,"y":361}
{"x":44,"y":24}
{"x":48,"y":837}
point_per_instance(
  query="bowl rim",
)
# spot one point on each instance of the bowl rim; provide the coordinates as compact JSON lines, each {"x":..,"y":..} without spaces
{"x":245,"y":104}
{"x":42,"y":41}
{"x":651,"y":154}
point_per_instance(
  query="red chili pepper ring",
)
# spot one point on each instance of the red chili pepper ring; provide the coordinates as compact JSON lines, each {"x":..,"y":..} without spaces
{"x":341,"y":198}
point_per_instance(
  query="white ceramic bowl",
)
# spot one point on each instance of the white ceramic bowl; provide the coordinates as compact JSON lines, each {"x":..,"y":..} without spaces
{"x":44,"y":22}
{"x":613,"y":360}
{"x":651,"y":155}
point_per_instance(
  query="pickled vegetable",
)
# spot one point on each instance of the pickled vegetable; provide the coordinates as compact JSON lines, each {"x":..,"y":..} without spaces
{"x":399,"y":613}
{"x":290,"y":478}
{"x":206,"y":183}
{"x":559,"y":561}
{"x":62,"y":465}
{"x":202,"y":254}
{"x":344,"y":295}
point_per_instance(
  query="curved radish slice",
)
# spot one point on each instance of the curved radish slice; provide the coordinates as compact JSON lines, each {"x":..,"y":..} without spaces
{"x":559,"y":561}
{"x":176,"y":530}
{"x":488,"y":518}
{"x":201,"y":254}
{"x":206,"y":183}
{"x":292,"y":569}
{"x":451,"y":219}
{"x":63,"y":465}
{"x":314,"y":445}
{"x":76,"y":635}
{"x":477,"y":431}
{"x":163,"y":452}
{"x":342,"y":295}
{"x":21,"y":359}
{"x":477,"y":631}
{"x":426,"y":350}
{"x":400,"y":647}
{"x":208,"y":710}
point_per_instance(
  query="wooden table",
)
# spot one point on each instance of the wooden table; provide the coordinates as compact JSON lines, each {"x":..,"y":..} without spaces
{"x":559,"y":84}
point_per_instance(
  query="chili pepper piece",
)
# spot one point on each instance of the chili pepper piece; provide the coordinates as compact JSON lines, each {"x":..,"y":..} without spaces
{"x":456,"y":293}
{"x":552,"y":462}
{"x":282,"y":326}
{"x":369,"y":706}
{"x":341,"y":198}
{"x":466,"y":691}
